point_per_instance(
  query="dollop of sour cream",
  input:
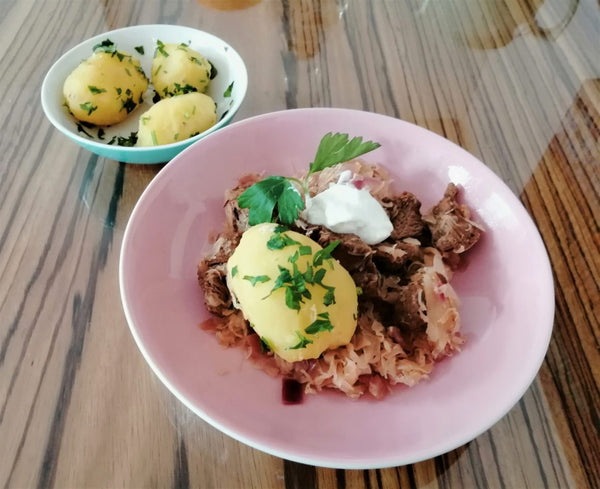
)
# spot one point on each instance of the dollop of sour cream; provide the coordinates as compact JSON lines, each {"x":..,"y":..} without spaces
{"x":344,"y":208}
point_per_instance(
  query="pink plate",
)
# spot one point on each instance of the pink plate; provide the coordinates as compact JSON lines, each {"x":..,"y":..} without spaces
{"x":506,"y":292}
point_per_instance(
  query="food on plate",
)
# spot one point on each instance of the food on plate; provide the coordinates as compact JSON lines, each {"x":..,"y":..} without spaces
{"x":176,"y":118}
{"x":105,"y":87}
{"x":408,"y":316}
{"x":298,"y":299}
{"x":177,"y":69}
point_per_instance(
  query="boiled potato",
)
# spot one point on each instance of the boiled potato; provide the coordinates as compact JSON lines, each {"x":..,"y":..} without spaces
{"x":178,"y":69}
{"x":267,"y":274}
{"x":176,"y":118}
{"x":105,"y":88}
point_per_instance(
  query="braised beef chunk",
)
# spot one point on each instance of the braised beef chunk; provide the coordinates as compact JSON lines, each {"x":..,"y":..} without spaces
{"x":450,"y":224}
{"x":404,"y":211}
{"x":404,"y":299}
{"x":216,"y":294}
{"x":395,"y":257}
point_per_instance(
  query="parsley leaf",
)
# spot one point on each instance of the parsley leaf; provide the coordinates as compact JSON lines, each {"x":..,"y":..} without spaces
{"x":302,"y":342}
{"x":273,"y":192}
{"x":227,"y":93}
{"x":139,"y":49}
{"x":337,"y":148}
{"x":234,"y":271}
{"x":96,"y":90}
{"x":88,"y":107}
{"x":322,"y":323}
{"x":160,"y":48}
{"x":279,"y":241}
{"x":106,"y":46}
{"x":325,"y":253}
{"x":256,"y":279}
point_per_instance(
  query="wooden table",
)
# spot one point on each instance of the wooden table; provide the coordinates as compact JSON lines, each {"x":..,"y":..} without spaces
{"x":515,"y":82}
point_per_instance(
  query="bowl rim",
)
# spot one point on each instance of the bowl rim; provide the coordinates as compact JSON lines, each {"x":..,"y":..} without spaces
{"x":547,"y":320}
{"x":49,"y":109}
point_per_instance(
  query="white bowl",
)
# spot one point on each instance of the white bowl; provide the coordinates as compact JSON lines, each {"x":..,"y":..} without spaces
{"x":228,"y":63}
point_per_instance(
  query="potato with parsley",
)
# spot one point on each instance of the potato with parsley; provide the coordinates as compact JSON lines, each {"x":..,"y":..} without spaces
{"x":106,"y":87}
{"x":296,"y":296}
{"x":177,"y":69}
{"x":176,"y":118}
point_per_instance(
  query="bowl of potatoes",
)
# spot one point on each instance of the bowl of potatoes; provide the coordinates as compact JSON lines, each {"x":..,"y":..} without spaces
{"x":142,"y":94}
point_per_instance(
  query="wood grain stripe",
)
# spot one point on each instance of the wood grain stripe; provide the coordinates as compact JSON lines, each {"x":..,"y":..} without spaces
{"x":299,"y":476}
{"x":82,"y":312}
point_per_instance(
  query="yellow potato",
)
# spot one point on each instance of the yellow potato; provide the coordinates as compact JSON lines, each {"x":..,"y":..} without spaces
{"x":105,"y":88}
{"x":300,"y":327}
{"x":176,"y":118}
{"x":178,"y":69}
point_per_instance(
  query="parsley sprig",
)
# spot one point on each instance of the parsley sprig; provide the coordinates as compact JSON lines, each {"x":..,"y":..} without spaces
{"x":284,"y":195}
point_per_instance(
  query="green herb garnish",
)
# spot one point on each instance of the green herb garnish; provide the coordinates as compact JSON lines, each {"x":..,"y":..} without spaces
{"x":213,"y":71}
{"x":273,"y":192}
{"x":128,"y":104}
{"x":88,"y":107}
{"x":139,"y":49}
{"x":325,"y":253}
{"x":322,"y":323}
{"x":106,"y":46}
{"x":122,"y":141}
{"x":227,"y":93}
{"x":160,"y":47}
{"x":302,"y":342}
{"x":96,"y":90}
{"x":234,"y":271}
{"x":256,"y":279}
{"x":284,"y":195}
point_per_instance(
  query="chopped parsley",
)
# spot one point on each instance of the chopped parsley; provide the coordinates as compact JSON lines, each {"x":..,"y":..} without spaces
{"x":279,"y":241}
{"x":322,"y":323}
{"x":234,"y":271}
{"x":101,"y":133}
{"x":88,"y":107}
{"x":302,"y":342}
{"x":265,"y":345}
{"x":227,"y":92}
{"x":160,"y":48}
{"x":196,"y":60}
{"x":256,"y":279}
{"x":96,"y":90}
{"x":154,"y":138}
{"x":128,"y":104}
{"x":213,"y":71}
{"x":80,"y":128}
{"x":106,"y":46}
{"x":325,"y":253}
{"x":139,"y":49}
{"x":122,"y":141}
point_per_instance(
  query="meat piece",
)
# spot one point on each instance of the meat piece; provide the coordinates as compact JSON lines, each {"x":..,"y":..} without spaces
{"x":352,"y":252}
{"x":222,"y":249}
{"x":404,"y":211}
{"x":216,"y":294}
{"x":396,"y":257}
{"x":405,"y":301}
{"x":236,"y":219}
{"x":450,"y":224}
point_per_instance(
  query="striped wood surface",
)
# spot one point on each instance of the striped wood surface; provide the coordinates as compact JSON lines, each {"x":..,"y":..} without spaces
{"x":515,"y":82}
